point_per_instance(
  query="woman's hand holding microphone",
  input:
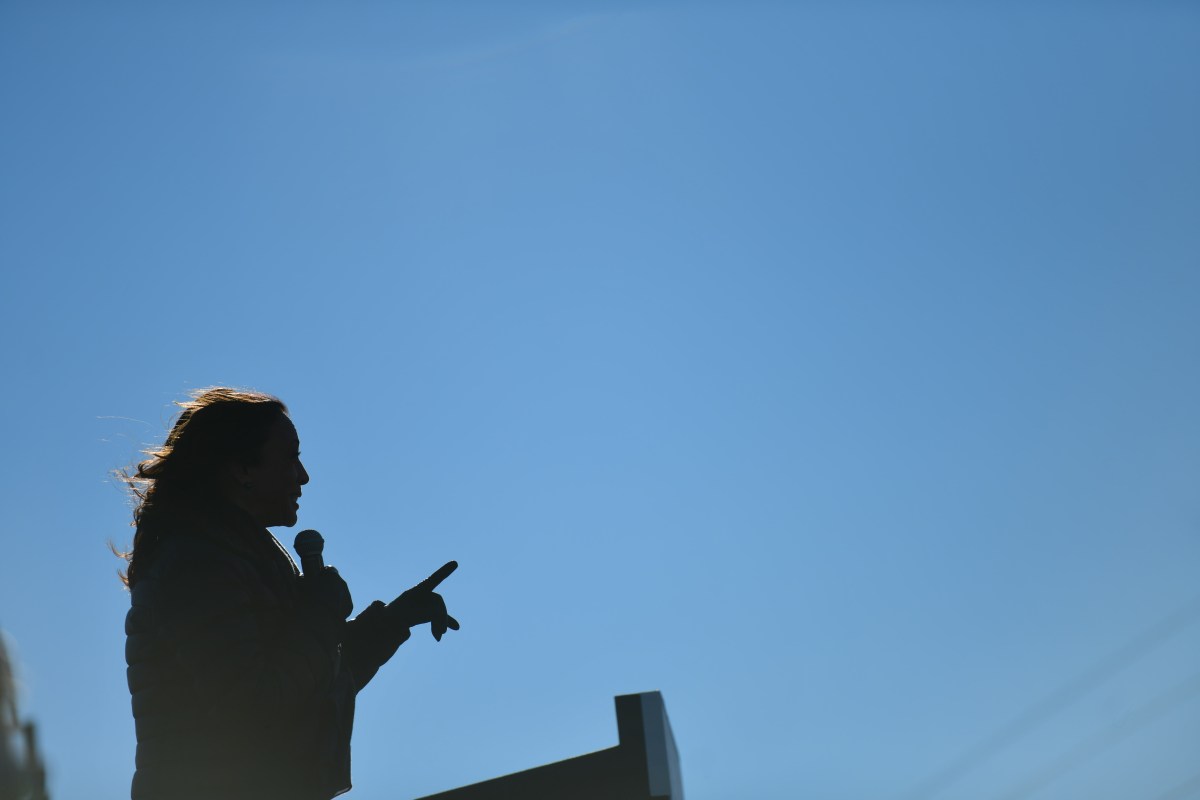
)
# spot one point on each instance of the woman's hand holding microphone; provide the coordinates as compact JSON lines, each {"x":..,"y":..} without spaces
{"x":324,"y":589}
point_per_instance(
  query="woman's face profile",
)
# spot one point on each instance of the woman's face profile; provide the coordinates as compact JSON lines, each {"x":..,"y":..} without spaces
{"x":270,"y":489}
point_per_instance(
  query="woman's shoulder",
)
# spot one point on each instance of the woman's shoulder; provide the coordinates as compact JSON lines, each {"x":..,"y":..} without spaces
{"x":187,"y":554}
{"x":195,"y":581}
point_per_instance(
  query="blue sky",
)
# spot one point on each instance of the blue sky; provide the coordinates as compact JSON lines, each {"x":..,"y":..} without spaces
{"x":830,"y":368}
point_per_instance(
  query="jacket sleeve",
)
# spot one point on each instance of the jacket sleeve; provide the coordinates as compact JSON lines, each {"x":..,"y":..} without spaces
{"x":370,"y":639}
{"x":239,"y":645}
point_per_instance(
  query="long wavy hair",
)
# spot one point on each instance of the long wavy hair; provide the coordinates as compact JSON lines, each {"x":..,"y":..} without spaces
{"x":217,"y":427}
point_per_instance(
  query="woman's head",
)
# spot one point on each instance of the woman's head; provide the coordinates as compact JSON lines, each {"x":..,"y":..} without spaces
{"x":227,"y":444}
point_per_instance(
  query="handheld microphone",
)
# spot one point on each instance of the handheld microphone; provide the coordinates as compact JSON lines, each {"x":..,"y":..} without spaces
{"x":309,"y":545}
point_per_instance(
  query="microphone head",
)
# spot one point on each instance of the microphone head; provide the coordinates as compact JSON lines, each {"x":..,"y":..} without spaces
{"x":308,"y":543}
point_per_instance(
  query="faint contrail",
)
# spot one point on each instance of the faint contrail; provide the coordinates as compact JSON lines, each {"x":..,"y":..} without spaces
{"x":1057,"y":700}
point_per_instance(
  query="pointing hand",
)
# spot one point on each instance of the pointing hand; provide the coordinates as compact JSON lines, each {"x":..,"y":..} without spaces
{"x":422,"y":604}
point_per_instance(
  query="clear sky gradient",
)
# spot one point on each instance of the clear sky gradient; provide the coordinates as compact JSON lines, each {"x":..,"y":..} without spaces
{"x":829,"y":367}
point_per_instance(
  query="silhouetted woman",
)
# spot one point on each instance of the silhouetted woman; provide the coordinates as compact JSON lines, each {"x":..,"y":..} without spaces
{"x":243,"y":674}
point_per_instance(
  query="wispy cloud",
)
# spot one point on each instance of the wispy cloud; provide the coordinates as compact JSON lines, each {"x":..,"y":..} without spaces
{"x":332,"y":65}
{"x":499,"y":50}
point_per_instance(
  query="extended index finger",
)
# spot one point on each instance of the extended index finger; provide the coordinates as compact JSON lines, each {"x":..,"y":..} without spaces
{"x":431,"y":583}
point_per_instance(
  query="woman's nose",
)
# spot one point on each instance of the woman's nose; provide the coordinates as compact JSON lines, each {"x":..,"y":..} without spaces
{"x":303,"y":474}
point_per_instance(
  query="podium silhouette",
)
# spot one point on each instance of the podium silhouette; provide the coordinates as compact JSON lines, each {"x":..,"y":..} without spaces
{"x":643,"y":766}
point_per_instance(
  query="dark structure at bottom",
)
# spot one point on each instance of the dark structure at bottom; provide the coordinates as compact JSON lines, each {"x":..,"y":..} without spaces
{"x":644,"y":766}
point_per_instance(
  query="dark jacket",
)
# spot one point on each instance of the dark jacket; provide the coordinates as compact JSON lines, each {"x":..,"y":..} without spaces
{"x":240,"y":687}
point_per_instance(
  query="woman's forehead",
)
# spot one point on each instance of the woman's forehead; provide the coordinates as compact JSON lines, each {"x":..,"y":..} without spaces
{"x":285,"y":431}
